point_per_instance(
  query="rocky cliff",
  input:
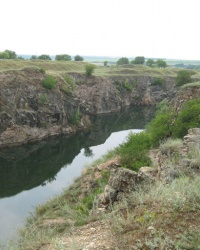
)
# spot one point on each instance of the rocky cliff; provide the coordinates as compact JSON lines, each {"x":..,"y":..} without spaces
{"x":30,"y":112}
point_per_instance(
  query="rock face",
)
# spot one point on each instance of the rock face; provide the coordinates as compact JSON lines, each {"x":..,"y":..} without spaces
{"x":183,"y":159}
{"x":29,"y":112}
{"x":122,"y":181}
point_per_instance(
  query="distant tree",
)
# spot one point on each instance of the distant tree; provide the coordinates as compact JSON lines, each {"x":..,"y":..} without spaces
{"x":105,"y":63}
{"x":150,"y":62}
{"x":122,"y":61}
{"x":63,"y":57}
{"x":12,"y":54}
{"x":161,"y":63}
{"x":138,"y":60}
{"x":44,"y":57}
{"x":183,"y":77}
{"x":89,"y":69}
{"x":33,"y":57}
{"x":78,"y":58}
{"x":4,"y":55}
{"x":20,"y":58}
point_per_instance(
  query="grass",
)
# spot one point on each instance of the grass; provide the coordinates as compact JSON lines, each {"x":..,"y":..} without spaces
{"x":191,"y":84}
{"x":58,"y":66}
{"x":79,"y":67}
{"x":155,"y":217}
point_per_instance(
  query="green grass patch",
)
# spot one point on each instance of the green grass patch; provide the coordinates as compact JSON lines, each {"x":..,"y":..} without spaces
{"x":49,"y":82}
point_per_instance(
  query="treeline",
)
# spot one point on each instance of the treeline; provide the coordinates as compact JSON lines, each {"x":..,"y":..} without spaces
{"x":60,"y":57}
{"x":9,"y":54}
{"x":140,"y":60}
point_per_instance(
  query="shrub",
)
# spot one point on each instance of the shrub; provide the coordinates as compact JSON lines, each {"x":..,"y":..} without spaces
{"x":75,"y":118}
{"x":171,"y":146}
{"x":42,"y":70}
{"x":160,"y":127}
{"x":189,"y":117}
{"x":89,"y":69}
{"x":133,"y":152}
{"x":158,"y":81}
{"x":49,"y":82}
{"x":183,"y":77}
{"x":78,"y":58}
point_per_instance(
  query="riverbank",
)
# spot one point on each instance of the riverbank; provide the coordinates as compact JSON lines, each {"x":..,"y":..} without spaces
{"x":160,"y":212}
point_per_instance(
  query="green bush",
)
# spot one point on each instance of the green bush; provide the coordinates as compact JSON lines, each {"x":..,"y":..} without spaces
{"x":160,"y":127}
{"x":49,"y":82}
{"x":89,"y":69}
{"x":133,"y":152}
{"x":189,"y":117}
{"x":183,"y":77}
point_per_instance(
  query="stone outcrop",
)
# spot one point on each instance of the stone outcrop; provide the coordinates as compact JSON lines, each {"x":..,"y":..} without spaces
{"x":181,"y":160}
{"x":121,"y":183}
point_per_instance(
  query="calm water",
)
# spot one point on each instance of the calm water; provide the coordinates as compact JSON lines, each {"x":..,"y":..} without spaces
{"x":31,"y":174}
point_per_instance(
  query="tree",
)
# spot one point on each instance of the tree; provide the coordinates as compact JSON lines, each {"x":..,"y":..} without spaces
{"x":78,"y":58}
{"x":161,"y":63}
{"x":44,"y":57}
{"x":4,"y":55}
{"x":63,"y":57}
{"x":12,"y":54}
{"x":138,"y":60}
{"x":89,"y":69}
{"x":8,"y":54}
{"x":105,"y":63}
{"x":33,"y":57}
{"x":122,"y":61}
{"x":20,"y":58}
{"x":183,"y":77}
{"x":150,"y":62}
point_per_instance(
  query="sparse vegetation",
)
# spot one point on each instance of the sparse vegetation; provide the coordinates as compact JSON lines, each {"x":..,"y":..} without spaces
{"x":69,"y":85}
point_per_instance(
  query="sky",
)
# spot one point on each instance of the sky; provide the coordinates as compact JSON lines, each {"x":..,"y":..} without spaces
{"x":124,"y":28}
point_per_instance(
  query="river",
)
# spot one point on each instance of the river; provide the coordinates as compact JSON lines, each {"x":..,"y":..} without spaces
{"x":31,"y":174}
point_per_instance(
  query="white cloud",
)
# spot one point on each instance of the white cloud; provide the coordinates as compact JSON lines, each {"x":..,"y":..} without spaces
{"x":156,"y":28}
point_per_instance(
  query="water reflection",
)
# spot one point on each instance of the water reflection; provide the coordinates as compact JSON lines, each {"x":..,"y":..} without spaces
{"x":23,"y":168}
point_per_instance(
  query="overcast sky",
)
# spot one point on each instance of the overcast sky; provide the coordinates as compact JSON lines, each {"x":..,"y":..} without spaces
{"x":150,"y":28}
